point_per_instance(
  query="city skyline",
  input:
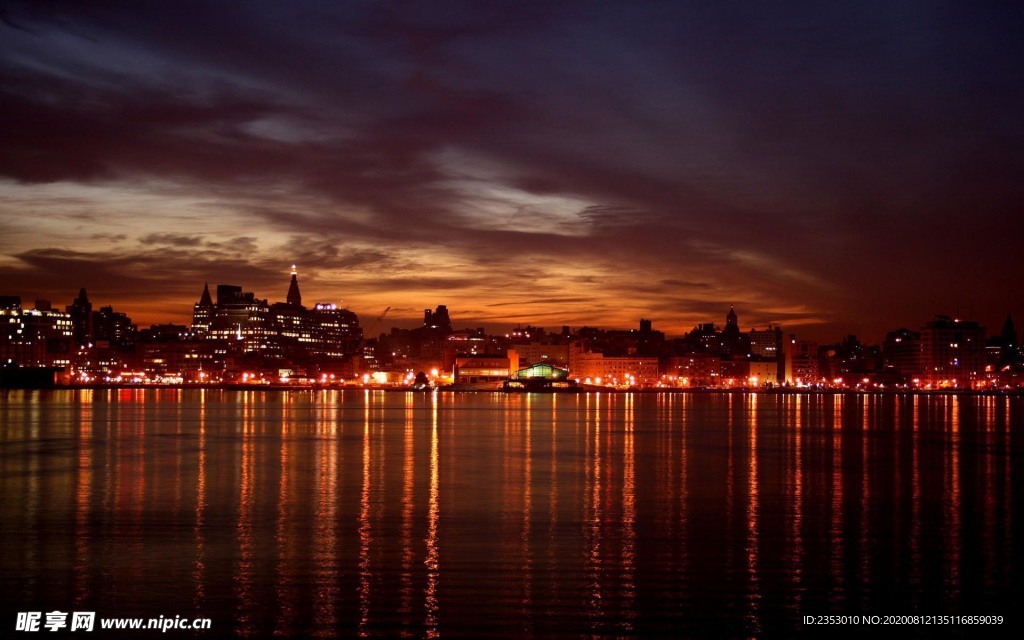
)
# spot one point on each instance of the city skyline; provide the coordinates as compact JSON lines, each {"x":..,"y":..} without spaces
{"x":373,"y":321}
{"x":834,"y":170}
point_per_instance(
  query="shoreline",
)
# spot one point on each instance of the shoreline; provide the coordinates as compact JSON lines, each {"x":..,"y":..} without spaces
{"x":577,"y":390}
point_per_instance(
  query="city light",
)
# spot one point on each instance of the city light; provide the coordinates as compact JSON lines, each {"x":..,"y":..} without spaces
{"x":287,"y":344}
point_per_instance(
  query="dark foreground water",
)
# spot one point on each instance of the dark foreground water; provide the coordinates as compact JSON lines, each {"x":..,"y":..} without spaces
{"x":386,"y":514}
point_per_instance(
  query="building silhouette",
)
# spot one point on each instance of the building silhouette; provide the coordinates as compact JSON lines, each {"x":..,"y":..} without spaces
{"x":81,"y":318}
{"x":952,"y":352}
{"x":202,"y":312}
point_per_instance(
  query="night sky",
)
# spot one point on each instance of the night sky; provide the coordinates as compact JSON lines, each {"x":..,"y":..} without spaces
{"x":834,"y":167}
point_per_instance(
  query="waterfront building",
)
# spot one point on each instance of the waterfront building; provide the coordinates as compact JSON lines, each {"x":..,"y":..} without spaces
{"x":850,"y":359}
{"x":336,"y":331}
{"x":762,"y":372}
{"x":285,"y":334}
{"x":801,"y":362}
{"x":485,"y":369}
{"x":540,"y":377}
{"x":952,"y":352}
{"x":901,"y":353}
{"x":39,"y":337}
{"x":240,"y":317}
{"x":631,"y":371}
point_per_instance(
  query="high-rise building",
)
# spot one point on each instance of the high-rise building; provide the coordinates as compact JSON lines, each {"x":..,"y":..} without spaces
{"x":1002,"y":349}
{"x":113,"y":327}
{"x":901,"y":353}
{"x":336,"y":331}
{"x":240,"y":316}
{"x":952,"y":352}
{"x":290,"y":327}
{"x":81,"y":318}
{"x":437,"y":319}
{"x":202,"y":313}
{"x":39,"y":337}
{"x":766,"y":343}
{"x":648,"y":341}
{"x":801,"y":361}
{"x":734,"y":343}
{"x":294,"y":298}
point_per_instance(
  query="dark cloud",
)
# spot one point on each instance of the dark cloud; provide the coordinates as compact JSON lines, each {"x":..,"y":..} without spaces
{"x":172,"y":239}
{"x":549,"y":301}
{"x":809,"y":162}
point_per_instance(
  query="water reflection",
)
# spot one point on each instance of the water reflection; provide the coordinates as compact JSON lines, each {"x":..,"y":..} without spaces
{"x":628,"y":613}
{"x":245,"y":528}
{"x":376,"y":514}
{"x":432,"y":561}
{"x":328,"y":496}
{"x":952,"y":501}
{"x":408,"y":509}
{"x":83,"y":500}
{"x":365,"y":525}
{"x":198,"y":528}
{"x":752,"y":542}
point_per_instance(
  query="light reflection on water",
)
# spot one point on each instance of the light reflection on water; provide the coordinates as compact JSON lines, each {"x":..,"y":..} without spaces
{"x":407,"y":514}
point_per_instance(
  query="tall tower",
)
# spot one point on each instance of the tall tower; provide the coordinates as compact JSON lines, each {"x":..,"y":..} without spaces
{"x":81,"y":318}
{"x":734,"y":343}
{"x":731,"y":322}
{"x":294,"y":297}
{"x":202,"y":312}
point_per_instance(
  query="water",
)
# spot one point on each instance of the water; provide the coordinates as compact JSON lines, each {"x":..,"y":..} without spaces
{"x":328,"y":513}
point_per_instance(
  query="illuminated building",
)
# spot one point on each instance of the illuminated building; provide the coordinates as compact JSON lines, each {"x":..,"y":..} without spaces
{"x":284,"y":334}
{"x":766,"y":346}
{"x":952,"y":352}
{"x":114,"y":328}
{"x":762,"y":372}
{"x":539,"y":377}
{"x":39,"y":337}
{"x":485,"y":370}
{"x":240,"y":317}
{"x":202,"y":313}
{"x":465,"y":342}
{"x":693,"y":370}
{"x":801,"y":361}
{"x":535,"y":352}
{"x":631,"y":371}
{"x":42,"y":337}
{"x":294,"y":298}
{"x":766,"y":343}
{"x":336,"y":332}
{"x":289,"y":321}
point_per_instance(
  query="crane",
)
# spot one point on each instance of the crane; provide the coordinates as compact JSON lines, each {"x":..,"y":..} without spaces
{"x":368,"y":330}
